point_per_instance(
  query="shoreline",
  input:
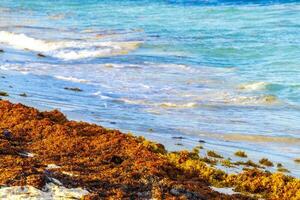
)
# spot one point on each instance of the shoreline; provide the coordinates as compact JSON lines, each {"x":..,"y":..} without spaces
{"x":86,"y":107}
{"x":110,"y":164}
{"x":177,"y":141}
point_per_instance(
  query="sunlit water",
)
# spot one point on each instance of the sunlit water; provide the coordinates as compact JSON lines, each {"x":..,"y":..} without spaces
{"x":226,"y":72}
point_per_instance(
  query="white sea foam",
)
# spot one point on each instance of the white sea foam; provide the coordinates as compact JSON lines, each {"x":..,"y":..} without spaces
{"x":178,"y":105}
{"x":104,"y":49}
{"x":72,"y":79}
{"x":221,"y":97}
{"x":50,"y":192}
{"x":22,"y":41}
{"x":172,"y":66}
{"x":135,"y":101}
{"x":254,"y":86}
{"x":253,"y":100}
{"x":68,"y":49}
{"x":101,"y":95}
{"x":165,"y":105}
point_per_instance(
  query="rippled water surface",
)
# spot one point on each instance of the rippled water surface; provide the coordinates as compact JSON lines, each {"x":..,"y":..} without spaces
{"x":227,"y":72}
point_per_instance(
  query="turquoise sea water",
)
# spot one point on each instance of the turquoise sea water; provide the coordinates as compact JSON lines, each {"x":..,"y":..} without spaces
{"x":227,"y":72}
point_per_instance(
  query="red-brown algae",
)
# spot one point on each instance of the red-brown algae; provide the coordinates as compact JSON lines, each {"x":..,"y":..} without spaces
{"x":113,"y":165}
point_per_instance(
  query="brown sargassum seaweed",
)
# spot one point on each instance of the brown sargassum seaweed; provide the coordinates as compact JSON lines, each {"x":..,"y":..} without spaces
{"x":113,"y":165}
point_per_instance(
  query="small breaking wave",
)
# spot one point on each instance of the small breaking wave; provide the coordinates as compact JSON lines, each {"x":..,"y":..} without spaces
{"x":68,"y":49}
{"x":22,"y":41}
{"x":254,"y":86}
{"x":178,"y":105}
{"x":220,"y":97}
{"x":259,"y":86}
{"x":253,"y":100}
{"x":72,"y":79}
{"x":165,"y":105}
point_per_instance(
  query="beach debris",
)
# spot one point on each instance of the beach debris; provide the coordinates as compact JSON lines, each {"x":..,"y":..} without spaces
{"x":116,"y":159}
{"x":1,"y":51}
{"x":41,"y":55}
{"x":23,"y":95}
{"x":214,"y":154}
{"x":282,"y":169}
{"x":248,"y":163}
{"x":52,"y":166}
{"x":241,"y":154}
{"x":266,"y":162}
{"x":297,"y":160}
{"x":75,"y":89}
{"x":7,"y":134}
{"x":26,"y":154}
{"x":279,"y":165}
{"x":227,"y":163}
{"x":178,"y":137}
{"x":209,"y":160}
{"x":154,"y":147}
{"x":4,"y":94}
{"x":135,"y":168}
{"x":201,"y":141}
{"x":198,"y":147}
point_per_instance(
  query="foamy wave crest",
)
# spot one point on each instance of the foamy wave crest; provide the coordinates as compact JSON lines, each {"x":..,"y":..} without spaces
{"x":254,"y":86}
{"x":227,"y":98}
{"x":22,"y":41}
{"x":178,"y":105}
{"x":254,"y":100}
{"x":165,"y":105}
{"x":68,"y":50}
{"x":72,"y":79}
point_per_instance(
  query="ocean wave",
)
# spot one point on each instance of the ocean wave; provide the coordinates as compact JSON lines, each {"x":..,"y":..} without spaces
{"x":22,"y":41}
{"x":68,"y":49}
{"x":165,"y":105}
{"x":101,"y":95}
{"x":221,"y":97}
{"x":206,"y":100}
{"x":134,"y":102}
{"x":174,"y":66}
{"x":178,"y":105}
{"x":260,"y":86}
{"x":253,"y":100}
{"x":72,"y":79}
{"x":254,"y":86}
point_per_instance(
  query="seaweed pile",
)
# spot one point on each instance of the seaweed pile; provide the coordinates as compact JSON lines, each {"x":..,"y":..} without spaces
{"x":113,"y":165}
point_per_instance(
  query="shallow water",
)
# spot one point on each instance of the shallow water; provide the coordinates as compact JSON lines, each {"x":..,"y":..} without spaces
{"x":227,"y":72}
